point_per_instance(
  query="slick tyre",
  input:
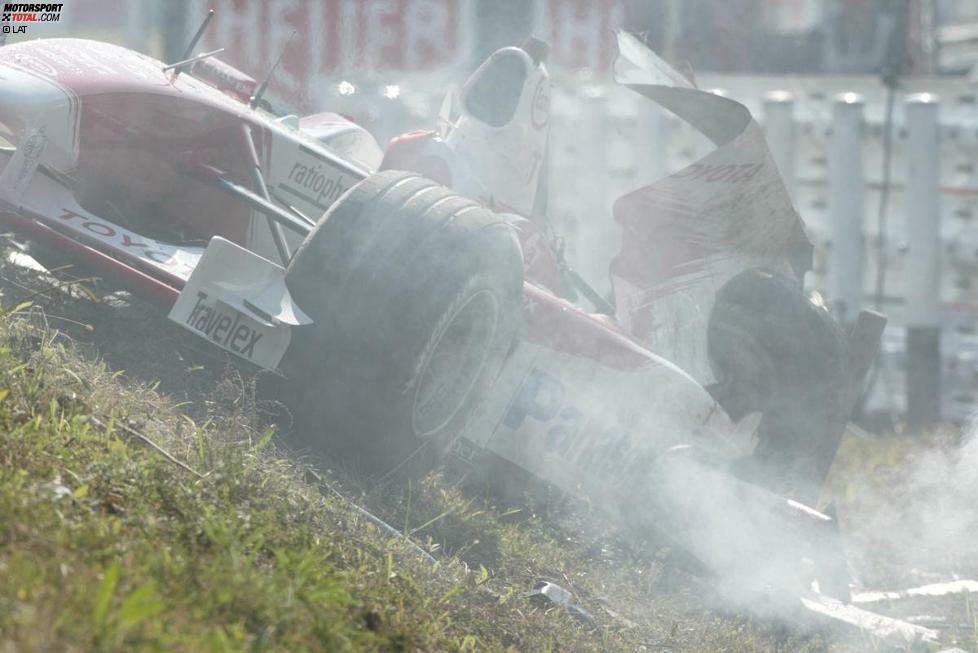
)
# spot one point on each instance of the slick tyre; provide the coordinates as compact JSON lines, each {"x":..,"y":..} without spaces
{"x":416,"y":294}
{"x":775,"y":351}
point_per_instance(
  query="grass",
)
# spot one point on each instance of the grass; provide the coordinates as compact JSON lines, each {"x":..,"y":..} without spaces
{"x":108,"y":544}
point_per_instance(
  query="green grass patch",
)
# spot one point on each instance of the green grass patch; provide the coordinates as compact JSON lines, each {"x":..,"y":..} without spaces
{"x":105,"y":544}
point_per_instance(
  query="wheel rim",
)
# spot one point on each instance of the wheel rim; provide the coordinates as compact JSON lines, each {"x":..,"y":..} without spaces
{"x":455,"y":360}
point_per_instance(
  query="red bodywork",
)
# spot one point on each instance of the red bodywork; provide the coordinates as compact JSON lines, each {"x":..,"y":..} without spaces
{"x":137,"y":126}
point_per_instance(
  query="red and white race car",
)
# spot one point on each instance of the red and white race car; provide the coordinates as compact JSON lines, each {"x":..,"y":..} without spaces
{"x":404,"y":308}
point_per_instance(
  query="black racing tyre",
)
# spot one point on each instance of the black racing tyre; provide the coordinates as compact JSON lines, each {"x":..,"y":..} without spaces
{"x":416,"y":295}
{"x":774,"y":350}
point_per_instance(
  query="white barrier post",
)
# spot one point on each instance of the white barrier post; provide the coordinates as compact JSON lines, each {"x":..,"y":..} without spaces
{"x":923,"y":262}
{"x":779,"y":128}
{"x":846,"y":195}
{"x":595,"y":245}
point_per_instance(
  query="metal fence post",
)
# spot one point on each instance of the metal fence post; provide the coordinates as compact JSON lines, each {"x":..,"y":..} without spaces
{"x":923,"y":262}
{"x":846,"y":195}
{"x":779,"y":128}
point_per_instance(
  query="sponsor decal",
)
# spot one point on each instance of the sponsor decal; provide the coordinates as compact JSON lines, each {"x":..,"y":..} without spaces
{"x":732,"y":173}
{"x":32,"y":146}
{"x":13,"y":181}
{"x":14,"y":12}
{"x":224,"y":77}
{"x":228,"y":328}
{"x":569,"y":432}
{"x":137,"y":245}
{"x":314,"y":184}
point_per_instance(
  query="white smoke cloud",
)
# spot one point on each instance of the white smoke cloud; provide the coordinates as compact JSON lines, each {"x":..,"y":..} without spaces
{"x":909,"y":507}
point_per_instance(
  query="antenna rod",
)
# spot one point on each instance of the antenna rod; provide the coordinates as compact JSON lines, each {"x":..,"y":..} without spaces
{"x":256,"y":98}
{"x":180,"y":65}
{"x":186,"y":59}
{"x":200,"y":32}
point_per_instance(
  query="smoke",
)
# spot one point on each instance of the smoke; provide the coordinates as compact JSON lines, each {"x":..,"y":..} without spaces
{"x":908,"y":506}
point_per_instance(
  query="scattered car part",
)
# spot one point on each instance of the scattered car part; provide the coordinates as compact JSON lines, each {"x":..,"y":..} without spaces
{"x":557,"y":595}
{"x":893,"y":631}
{"x":932,"y":590}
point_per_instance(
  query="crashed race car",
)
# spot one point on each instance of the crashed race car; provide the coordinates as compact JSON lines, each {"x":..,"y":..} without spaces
{"x":415,"y":296}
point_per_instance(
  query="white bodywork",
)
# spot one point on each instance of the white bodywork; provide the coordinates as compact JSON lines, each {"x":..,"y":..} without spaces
{"x":47,"y":104}
{"x":580,"y":424}
{"x":347,"y":139}
{"x":16,"y":175}
{"x":504,"y":161}
{"x":302,"y":171}
{"x":238,"y":301}
{"x":726,"y":213}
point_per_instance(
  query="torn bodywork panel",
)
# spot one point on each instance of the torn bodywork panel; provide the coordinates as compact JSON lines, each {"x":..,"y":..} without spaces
{"x":687,"y":234}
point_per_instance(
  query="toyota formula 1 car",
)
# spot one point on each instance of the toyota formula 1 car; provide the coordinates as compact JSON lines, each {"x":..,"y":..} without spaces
{"x":415,"y":295}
